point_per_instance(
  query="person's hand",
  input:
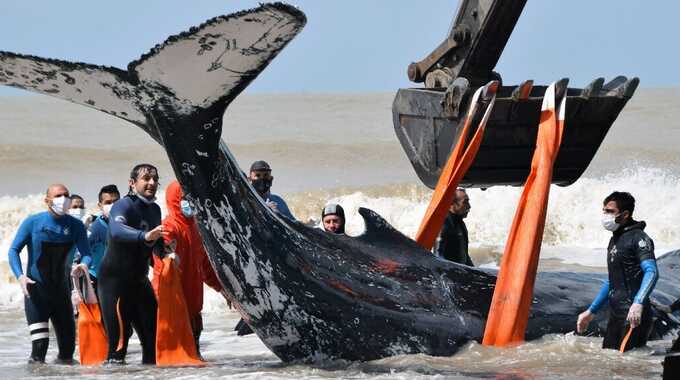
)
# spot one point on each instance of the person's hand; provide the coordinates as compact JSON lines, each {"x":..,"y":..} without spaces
{"x":272,"y":205}
{"x":155,"y":234}
{"x":583,"y":321}
{"x":24,"y":281}
{"x":75,"y":298}
{"x":634,"y":315}
{"x":78,"y":270}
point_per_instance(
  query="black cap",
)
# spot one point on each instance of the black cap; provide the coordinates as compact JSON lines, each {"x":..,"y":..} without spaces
{"x":333,"y":209}
{"x":258,"y":166}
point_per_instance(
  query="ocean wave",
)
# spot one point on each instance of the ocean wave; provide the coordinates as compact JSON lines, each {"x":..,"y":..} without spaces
{"x":573,"y":233}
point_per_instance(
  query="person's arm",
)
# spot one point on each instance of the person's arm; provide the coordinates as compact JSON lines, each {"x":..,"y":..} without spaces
{"x":651,"y":275}
{"x":644,"y":247}
{"x":82,"y":244}
{"x":118,"y":224}
{"x":20,"y":240}
{"x":442,"y":242}
{"x":282,"y":207}
{"x":601,"y":299}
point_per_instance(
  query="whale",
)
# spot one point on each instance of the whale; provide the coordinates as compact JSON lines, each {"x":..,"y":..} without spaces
{"x":309,"y":296}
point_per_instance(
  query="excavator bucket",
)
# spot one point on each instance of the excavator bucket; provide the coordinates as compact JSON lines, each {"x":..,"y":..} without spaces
{"x":428,"y":120}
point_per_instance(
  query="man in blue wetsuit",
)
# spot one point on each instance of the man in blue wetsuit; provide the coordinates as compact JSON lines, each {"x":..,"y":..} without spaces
{"x":49,"y":236}
{"x":125,"y":294}
{"x":261,"y":178}
{"x":99,"y":229}
{"x":632,"y":276}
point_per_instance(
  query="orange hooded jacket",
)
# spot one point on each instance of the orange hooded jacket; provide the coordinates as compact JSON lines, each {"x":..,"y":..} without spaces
{"x":193,"y":261}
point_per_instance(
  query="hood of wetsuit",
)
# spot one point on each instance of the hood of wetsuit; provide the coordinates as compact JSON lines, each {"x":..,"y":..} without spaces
{"x":334,"y":209}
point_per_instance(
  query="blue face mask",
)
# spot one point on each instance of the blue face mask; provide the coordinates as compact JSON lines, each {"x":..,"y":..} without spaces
{"x":185,"y":206}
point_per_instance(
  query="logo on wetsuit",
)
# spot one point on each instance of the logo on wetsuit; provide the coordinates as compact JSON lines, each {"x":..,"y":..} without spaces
{"x":612,"y":253}
{"x":644,"y":245}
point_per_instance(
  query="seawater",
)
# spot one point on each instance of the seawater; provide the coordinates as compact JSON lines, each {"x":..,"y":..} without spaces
{"x":342,"y":148}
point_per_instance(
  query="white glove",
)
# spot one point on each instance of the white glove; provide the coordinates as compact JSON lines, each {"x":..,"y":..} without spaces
{"x":78,"y":270}
{"x":634,"y":315}
{"x":75,"y":298}
{"x":24,"y":282}
{"x":583,"y":321}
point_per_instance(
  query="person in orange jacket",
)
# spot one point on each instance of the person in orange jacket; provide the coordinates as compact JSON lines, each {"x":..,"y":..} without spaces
{"x":195,"y":269}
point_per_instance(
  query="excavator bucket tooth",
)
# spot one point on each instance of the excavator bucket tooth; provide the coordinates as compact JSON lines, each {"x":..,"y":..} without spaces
{"x":523,"y":91}
{"x":427,"y":132}
{"x":593,"y":88}
{"x":630,"y":87}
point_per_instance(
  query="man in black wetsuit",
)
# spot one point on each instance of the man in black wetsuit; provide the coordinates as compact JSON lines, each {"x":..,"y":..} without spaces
{"x":452,"y":243}
{"x":49,"y":236}
{"x":632,"y":275}
{"x":125,"y":293}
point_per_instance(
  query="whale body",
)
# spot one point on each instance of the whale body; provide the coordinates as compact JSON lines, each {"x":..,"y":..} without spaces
{"x":308,"y":295}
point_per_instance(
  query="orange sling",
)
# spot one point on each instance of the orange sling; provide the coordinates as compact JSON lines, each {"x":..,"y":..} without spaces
{"x":456,"y":166}
{"x":509,"y":312}
{"x":175,"y":345}
{"x":92,"y":341}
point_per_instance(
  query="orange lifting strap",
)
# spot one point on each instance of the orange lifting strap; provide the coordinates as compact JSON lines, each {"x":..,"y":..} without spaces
{"x":457,"y":165}
{"x":92,"y":341}
{"x":175,"y":345}
{"x":509,"y":312}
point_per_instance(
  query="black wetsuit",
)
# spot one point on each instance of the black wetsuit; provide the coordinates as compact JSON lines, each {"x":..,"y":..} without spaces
{"x":125,"y":294}
{"x":628,"y":248}
{"x":49,"y":240}
{"x":452,"y":244}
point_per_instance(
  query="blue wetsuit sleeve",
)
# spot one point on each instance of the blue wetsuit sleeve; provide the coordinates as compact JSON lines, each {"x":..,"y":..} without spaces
{"x":118,"y":224}
{"x":83,"y":245}
{"x":601,"y":299}
{"x":20,"y":240}
{"x":282,"y":207}
{"x":648,"y":280}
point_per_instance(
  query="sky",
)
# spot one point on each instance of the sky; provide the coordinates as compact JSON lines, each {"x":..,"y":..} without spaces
{"x":365,"y":45}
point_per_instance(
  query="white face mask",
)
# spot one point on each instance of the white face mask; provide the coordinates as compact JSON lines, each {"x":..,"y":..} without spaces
{"x":608,"y":222}
{"x":106,"y":210}
{"x":60,"y":204}
{"x":77,"y":213}
{"x":185,"y":206}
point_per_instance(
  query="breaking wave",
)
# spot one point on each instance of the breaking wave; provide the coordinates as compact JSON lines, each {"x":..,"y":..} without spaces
{"x":572,"y":233}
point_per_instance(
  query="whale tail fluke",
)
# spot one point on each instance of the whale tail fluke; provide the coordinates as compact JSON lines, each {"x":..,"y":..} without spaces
{"x":211,"y":64}
{"x":106,"y":89}
{"x":202,"y":69}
